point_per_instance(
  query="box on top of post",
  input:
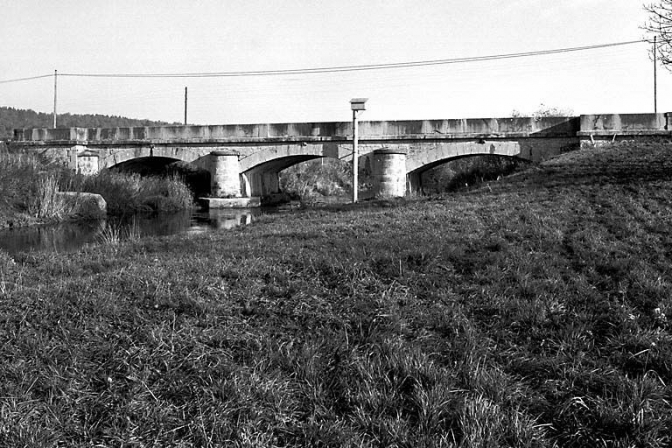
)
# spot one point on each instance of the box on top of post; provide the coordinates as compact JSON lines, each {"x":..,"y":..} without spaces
{"x":358,"y":103}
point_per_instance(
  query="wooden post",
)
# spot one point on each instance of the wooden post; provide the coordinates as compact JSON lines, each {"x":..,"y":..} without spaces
{"x":55,"y":83}
{"x":185,"y":106}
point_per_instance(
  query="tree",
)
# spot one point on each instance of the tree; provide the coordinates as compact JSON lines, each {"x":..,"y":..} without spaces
{"x":545,"y":111}
{"x":11,"y":118}
{"x":660,"y":26}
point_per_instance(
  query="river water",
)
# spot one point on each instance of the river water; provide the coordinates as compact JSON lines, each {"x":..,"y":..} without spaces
{"x":73,"y":235}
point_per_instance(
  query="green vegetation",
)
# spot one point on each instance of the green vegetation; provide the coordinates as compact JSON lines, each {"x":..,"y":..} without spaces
{"x":11,"y":118}
{"x":29,"y":189}
{"x":531,"y":312}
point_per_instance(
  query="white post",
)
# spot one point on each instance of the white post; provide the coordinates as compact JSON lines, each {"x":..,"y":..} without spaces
{"x":355,"y":155}
{"x":356,"y":104}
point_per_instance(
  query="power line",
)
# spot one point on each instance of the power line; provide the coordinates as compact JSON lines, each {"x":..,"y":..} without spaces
{"x":337,"y":69}
{"x":26,"y":79}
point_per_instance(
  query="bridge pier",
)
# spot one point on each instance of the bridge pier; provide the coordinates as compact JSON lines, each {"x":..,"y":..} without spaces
{"x":262,"y":183}
{"x":225,"y":174}
{"x":414,"y":183}
{"x":388,"y":170}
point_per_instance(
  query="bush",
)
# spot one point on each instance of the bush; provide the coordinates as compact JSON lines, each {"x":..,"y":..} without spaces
{"x":326,"y":177}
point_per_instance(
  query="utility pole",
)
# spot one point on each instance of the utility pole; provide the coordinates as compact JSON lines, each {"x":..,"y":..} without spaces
{"x":185,"y":106}
{"x":55,"y":96}
{"x":655,"y":75}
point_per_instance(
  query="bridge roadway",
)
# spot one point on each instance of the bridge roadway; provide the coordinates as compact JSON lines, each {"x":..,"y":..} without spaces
{"x":244,"y":160}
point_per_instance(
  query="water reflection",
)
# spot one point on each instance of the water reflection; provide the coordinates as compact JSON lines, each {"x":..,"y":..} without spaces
{"x":222,"y":219}
{"x":71,"y":236}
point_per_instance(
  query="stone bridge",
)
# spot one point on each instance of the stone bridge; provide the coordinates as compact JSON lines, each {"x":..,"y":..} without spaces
{"x":244,"y":160}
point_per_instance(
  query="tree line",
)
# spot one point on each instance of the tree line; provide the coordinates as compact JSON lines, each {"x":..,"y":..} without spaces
{"x":11,"y":118}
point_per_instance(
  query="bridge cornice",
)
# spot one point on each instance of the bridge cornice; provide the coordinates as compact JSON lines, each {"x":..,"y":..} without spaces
{"x":299,"y":139}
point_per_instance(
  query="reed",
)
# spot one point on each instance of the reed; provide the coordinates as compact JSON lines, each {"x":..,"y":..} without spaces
{"x":46,"y":203}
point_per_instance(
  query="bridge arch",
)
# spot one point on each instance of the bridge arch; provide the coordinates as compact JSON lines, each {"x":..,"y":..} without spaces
{"x":290,"y":154}
{"x":263,"y":179}
{"x":193,"y":172}
{"x":419,"y":182}
{"x":443,"y":152}
{"x":113,"y":157}
{"x":144,"y":165}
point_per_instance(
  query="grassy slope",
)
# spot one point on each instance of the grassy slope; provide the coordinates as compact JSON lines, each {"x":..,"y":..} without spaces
{"x":530,"y":312}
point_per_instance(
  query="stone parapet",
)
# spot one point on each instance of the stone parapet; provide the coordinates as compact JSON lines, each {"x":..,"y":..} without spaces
{"x":296,"y":132}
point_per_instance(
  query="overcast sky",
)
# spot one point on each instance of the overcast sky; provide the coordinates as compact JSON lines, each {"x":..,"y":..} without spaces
{"x":171,"y":36}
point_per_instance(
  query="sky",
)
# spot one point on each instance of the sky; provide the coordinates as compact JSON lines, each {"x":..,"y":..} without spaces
{"x":137,"y":37}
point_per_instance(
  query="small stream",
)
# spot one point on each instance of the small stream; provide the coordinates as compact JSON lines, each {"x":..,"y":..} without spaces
{"x":70,"y":236}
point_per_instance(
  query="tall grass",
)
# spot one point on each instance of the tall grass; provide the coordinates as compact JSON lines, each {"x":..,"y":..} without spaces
{"x":131,"y":193}
{"x":28,"y":187}
{"x":115,"y":234}
{"x":46,"y":202}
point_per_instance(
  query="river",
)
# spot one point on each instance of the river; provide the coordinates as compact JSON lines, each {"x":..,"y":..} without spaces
{"x":70,"y":236}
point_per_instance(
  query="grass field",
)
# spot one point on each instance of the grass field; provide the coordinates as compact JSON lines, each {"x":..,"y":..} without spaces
{"x":529,"y":312}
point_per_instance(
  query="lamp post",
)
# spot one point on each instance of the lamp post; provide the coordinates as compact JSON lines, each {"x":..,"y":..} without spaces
{"x":356,"y":104}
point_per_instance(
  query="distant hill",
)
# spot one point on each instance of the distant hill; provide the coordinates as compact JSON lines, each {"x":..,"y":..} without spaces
{"x":11,"y":118}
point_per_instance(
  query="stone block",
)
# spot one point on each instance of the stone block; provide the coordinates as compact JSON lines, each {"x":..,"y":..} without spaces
{"x":85,"y":205}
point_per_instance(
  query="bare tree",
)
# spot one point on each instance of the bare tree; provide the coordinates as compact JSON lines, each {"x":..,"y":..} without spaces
{"x":659,"y":26}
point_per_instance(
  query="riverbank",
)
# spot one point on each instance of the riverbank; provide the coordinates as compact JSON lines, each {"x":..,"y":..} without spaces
{"x":528,"y":312}
{"x":30,"y":187}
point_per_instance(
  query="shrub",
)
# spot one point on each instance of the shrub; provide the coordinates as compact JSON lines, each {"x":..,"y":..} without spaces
{"x":327,"y":177}
{"x":131,"y":193}
{"x":457,"y":174}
